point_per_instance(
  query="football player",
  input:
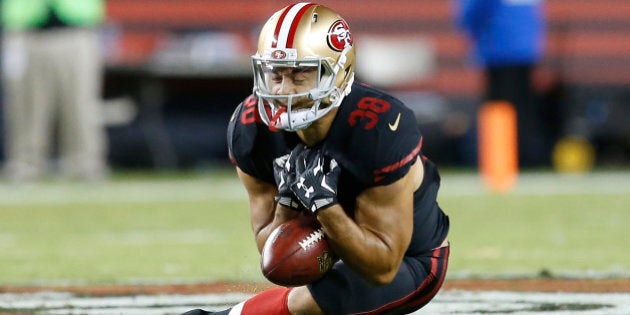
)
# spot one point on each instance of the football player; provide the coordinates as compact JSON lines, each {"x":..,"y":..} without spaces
{"x":310,"y":141}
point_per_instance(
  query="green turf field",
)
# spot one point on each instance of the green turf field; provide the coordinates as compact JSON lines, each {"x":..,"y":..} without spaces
{"x":146,"y":228}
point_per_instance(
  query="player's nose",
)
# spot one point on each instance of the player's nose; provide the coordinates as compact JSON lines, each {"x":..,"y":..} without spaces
{"x":286,"y":87}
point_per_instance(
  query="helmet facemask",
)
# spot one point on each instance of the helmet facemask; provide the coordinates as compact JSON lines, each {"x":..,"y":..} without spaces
{"x":290,"y":111}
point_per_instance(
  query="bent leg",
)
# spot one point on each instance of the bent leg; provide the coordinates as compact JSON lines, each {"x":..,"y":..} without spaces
{"x":342,"y":291}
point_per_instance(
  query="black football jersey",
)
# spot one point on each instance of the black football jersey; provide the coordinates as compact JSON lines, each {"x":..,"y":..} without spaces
{"x":374,"y":138}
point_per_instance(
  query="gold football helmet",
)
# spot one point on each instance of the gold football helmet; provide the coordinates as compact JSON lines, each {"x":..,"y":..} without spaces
{"x":302,"y":36}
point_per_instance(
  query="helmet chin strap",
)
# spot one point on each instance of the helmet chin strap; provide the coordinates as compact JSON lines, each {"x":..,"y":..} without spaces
{"x":297,"y":119}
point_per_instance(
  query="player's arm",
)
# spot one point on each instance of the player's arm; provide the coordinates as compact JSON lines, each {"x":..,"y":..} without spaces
{"x":264,"y":213}
{"x":374,"y":243}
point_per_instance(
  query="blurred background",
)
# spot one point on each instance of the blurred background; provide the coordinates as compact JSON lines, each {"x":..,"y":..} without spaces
{"x":176,"y":69}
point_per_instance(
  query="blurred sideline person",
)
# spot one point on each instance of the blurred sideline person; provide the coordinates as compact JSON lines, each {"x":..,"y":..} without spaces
{"x":508,"y":41}
{"x":310,"y":141}
{"x":52,"y":79}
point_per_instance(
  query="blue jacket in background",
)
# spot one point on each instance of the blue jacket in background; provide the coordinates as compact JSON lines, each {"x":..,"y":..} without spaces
{"x":504,"y":32}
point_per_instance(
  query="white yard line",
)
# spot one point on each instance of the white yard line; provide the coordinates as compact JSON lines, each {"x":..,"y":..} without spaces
{"x":446,"y":302}
{"x":526,"y":303}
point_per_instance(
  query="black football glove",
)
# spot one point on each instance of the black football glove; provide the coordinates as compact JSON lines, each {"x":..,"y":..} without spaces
{"x":284,"y":174}
{"x":316,"y":185}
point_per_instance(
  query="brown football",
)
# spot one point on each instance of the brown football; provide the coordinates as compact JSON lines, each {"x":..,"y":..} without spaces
{"x":296,"y":253}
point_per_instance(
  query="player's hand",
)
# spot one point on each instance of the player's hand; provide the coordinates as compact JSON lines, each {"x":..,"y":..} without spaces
{"x":284,"y":173}
{"x":316,"y":186}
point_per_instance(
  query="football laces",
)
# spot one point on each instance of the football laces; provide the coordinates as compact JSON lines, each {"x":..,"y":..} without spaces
{"x":312,"y":239}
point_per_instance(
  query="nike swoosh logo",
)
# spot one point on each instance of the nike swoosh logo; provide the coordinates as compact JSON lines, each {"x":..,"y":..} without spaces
{"x":394,"y":126}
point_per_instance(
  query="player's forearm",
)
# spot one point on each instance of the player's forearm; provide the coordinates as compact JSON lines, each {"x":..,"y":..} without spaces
{"x":266,"y":224}
{"x":365,"y":251}
{"x":262,"y":227}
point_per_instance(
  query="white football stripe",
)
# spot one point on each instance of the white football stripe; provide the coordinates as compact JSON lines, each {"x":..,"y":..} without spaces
{"x":286,"y":24}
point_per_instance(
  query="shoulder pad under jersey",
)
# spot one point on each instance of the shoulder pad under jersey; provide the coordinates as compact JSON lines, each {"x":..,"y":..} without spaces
{"x":375,"y":136}
{"x":251,"y":145}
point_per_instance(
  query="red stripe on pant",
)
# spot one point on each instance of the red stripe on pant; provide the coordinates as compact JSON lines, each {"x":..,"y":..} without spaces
{"x":425,"y":292}
{"x":432,"y":289}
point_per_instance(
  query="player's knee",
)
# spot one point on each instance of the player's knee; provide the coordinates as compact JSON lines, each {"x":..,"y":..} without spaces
{"x":300,"y":302}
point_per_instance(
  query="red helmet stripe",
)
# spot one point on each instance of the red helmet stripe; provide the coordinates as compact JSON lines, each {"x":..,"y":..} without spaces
{"x":276,"y":33}
{"x":295,"y":23}
{"x":286,"y":27}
